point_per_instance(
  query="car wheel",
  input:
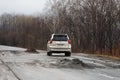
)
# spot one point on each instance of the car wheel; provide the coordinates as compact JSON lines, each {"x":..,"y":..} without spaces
{"x":68,"y":54}
{"x":49,"y":53}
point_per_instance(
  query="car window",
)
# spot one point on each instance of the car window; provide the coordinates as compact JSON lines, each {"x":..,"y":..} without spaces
{"x":60,"y":38}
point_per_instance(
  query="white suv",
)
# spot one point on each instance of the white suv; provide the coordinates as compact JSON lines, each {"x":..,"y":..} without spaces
{"x":59,"y":43}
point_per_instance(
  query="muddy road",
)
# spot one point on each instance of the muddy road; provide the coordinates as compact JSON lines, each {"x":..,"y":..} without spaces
{"x":16,"y":64}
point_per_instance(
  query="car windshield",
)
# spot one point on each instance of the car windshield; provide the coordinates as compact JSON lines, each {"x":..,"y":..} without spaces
{"x":60,"y":38}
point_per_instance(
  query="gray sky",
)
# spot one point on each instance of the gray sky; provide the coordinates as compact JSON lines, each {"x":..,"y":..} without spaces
{"x":22,"y":6}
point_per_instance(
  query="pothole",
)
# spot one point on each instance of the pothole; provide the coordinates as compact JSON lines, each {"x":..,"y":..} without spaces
{"x":66,"y":63}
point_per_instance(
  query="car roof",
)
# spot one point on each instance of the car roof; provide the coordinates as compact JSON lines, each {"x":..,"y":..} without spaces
{"x":59,"y":34}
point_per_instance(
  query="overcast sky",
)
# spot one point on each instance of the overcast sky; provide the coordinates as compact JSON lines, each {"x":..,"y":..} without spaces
{"x":22,"y":6}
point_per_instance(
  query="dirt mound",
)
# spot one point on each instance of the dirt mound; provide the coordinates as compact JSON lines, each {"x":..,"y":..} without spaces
{"x":32,"y":51}
{"x":70,"y":63}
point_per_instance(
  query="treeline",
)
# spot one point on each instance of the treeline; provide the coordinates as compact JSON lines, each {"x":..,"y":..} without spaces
{"x":24,"y":31}
{"x":93,"y":26}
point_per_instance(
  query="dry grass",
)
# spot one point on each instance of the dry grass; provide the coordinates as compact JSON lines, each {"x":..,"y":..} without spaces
{"x":108,"y":57}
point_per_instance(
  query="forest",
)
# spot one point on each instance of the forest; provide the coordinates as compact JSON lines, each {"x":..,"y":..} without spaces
{"x":92,"y":25}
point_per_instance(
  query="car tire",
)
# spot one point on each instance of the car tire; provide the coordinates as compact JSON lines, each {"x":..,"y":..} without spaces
{"x":49,"y":53}
{"x":68,"y":54}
